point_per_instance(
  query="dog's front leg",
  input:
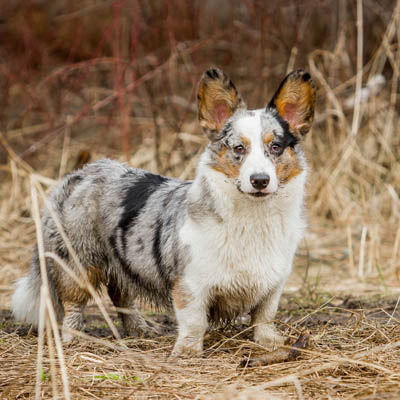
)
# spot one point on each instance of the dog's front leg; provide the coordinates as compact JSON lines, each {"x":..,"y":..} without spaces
{"x":262,"y":318}
{"x":191,"y":315}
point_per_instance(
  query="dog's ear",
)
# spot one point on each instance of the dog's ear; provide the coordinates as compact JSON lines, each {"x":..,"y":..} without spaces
{"x":217,"y":100}
{"x":295,"y":101}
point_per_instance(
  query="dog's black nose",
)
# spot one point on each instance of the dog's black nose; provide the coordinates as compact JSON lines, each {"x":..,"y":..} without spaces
{"x":259,"y":181}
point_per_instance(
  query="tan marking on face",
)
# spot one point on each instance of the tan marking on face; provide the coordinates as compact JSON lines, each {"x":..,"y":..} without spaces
{"x":224,"y":165}
{"x":287,"y":166}
{"x":246,"y":143}
{"x":181,"y":295}
{"x":268,"y":138}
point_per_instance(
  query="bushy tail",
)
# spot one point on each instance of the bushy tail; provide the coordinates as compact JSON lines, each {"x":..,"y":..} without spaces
{"x":26,"y":298}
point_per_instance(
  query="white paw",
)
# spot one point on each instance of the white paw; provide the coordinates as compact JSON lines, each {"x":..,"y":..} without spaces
{"x":268,"y":337}
{"x":68,"y":337}
{"x":187,"y":347}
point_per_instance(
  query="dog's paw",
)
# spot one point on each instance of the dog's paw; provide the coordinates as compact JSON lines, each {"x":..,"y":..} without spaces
{"x":142,"y":331}
{"x":187,"y":347}
{"x":139,"y":327}
{"x":68,"y":338}
{"x":268,"y":337}
{"x":154,"y":329}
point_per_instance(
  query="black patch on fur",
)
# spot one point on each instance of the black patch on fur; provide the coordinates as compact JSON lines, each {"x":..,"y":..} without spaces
{"x":135,"y":199}
{"x":161,"y":267}
{"x":146,"y":288}
{"x":287,"y":139}
{"x":212,"y":73}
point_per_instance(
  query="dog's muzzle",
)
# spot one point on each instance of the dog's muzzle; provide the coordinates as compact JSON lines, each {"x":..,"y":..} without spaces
{"x":259,"y":181}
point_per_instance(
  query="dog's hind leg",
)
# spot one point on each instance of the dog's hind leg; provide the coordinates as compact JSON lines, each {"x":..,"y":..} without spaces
{"x":74,"y":299}
{"x":73,"y":319}
{"x":132,"y":320}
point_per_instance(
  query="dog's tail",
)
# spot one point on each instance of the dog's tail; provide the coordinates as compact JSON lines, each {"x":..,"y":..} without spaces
{"x":26,"y":298}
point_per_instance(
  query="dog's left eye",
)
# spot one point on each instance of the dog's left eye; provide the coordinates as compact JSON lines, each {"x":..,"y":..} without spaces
{"x":276,"y":148}
{"x":239,"y":149}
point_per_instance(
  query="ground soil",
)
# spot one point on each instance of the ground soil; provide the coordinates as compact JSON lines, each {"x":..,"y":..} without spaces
{"x":340,"y":327}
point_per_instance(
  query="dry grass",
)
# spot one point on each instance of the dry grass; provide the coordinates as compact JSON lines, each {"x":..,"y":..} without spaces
{"x":118,"y":79}
{"x":354,"y":354}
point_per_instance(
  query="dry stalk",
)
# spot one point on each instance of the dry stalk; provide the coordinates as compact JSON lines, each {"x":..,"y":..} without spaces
{"x":360,"y":39}
{"x":65,"y":148}
{"x":52,"y":358}
{"x":46,"y":305}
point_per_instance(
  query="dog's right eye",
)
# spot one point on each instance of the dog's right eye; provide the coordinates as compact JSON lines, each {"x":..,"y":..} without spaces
{"x":239,"y":149}
{"x":276,"y":148}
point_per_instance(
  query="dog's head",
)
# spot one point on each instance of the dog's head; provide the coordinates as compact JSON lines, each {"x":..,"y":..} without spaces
{"x":256,"y":150}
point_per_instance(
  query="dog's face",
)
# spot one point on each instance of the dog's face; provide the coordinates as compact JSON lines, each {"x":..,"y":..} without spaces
{"x":258,"y":150}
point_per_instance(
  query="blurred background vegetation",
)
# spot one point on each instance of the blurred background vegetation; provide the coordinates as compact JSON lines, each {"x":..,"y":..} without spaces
{"x":84,"y":79}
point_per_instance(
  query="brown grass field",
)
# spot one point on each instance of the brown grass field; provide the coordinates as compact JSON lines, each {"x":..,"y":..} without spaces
{"x":89,"y":79}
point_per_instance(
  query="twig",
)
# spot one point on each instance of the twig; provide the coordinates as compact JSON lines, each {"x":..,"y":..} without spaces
{"x":360,"y":40}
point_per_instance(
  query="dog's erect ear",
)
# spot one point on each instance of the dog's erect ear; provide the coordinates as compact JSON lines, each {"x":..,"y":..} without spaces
{"x":295,"y":101}
{"x":217,"y":100}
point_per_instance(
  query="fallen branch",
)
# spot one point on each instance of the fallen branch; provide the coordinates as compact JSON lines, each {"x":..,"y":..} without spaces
{"x":282,"y":354}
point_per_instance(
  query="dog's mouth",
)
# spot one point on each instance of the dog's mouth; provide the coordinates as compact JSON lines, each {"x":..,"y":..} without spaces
{"x":254,"y":194}
{"x":258,"y":194}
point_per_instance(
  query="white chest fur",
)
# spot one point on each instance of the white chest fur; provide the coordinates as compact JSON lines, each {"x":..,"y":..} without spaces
{"x":251,"y":250}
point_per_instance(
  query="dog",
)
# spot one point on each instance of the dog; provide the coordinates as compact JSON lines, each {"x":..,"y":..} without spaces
{"x":212,"y":248}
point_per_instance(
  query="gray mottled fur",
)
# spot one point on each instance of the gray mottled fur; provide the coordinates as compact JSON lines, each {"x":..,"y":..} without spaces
{"x":137,"y":255}
{"x":92,"y":211}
